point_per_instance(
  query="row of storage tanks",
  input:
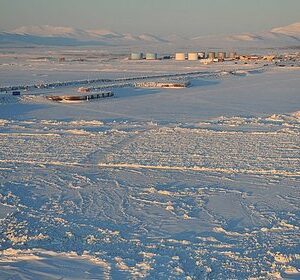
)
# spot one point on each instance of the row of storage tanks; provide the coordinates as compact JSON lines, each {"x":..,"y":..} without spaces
{"x":138,"y":56}
{"x":201,"y":55}
{"x":190,"y":56}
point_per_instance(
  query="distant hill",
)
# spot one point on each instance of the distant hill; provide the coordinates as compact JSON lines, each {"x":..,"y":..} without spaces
{"x":280,"y":35}
{"x":52,"y":35}
{"x":289,"y":30}
{"x":286,"y":36}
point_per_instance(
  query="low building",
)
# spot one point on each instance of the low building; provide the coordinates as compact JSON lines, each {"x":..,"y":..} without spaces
{"x":78,"y":98}
{"x":16,"y":93}
{"x":83,"y":89}
{"x":269,"y":57}
{"x":249,"y":57}
{"x":206,"y":60}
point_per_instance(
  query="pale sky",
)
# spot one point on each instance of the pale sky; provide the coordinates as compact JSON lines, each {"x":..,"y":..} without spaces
{"x":159,"y":17}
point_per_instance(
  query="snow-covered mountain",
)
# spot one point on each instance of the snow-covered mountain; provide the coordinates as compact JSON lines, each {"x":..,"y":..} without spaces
{"x":289,"y":30}
{"x":287,"y":36}
{"x":290,"y":33}
{"x":53,"y":35}
{"x":67,"y":32}
{"x":49,"y":31}
{"x":47,"y":34}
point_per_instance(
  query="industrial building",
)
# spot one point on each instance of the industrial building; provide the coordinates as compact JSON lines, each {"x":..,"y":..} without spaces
{"x":83,"y":90}
{"x":269,"y":57}
{"x":249,"y":57}
{"x":79,"y":97}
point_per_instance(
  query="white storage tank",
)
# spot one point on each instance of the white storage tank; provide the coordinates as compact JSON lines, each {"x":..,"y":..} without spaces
{"x":136,"y":56}
{"x":221,"y":55}
{"x":211,"y":55}
{"x":151,"y":56}
{"x":232,"y":55}
{"x":180,"y":56}
{"x":193,"y":56}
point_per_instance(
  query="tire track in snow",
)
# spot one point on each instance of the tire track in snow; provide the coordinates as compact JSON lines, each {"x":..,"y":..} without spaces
{"x":201,"y":169}
{"x":270,"y":172}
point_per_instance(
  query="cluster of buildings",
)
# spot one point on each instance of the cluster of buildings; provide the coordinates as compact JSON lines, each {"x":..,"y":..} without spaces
{"x":212,"y":56}
{"x":191,"y":56}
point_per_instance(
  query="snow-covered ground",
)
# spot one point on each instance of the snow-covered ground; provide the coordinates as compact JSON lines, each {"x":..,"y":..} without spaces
{"x":195,"y":183}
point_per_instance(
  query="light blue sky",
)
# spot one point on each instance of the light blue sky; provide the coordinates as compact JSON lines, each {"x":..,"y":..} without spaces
{"x":160,"y":17}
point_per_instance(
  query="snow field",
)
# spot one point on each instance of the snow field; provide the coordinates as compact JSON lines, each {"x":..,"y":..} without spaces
{"x":156,"y":201}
